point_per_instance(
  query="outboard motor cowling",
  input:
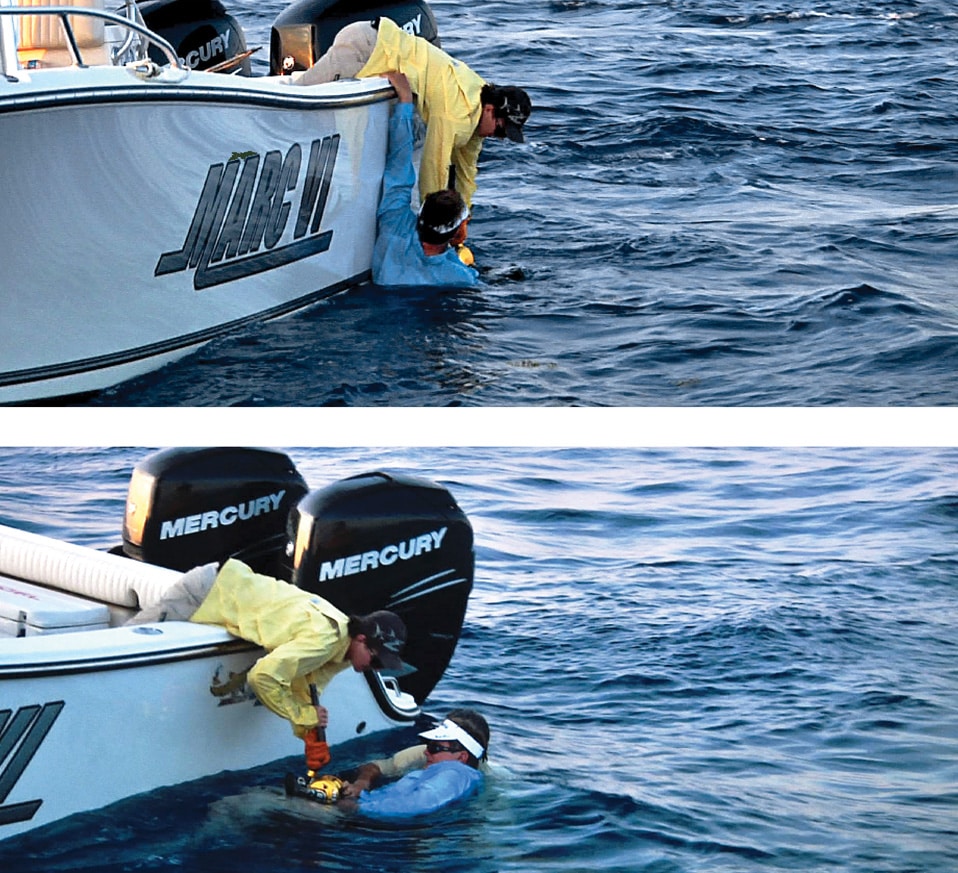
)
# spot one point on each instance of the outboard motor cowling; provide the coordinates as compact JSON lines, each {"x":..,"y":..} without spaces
{"x":188,"y":507}
{"x":306,"y":29}
{"x":381,"y":541}
{"x":203,"y":33}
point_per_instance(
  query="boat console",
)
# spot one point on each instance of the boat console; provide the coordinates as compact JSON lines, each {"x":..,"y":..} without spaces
{"x":43,"y":41}
{"x":204,"y":35}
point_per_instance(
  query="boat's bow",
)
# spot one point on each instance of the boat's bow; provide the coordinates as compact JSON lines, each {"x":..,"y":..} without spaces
{"x":153,"y":208}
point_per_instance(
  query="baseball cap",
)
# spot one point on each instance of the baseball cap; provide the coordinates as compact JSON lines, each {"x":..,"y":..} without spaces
{"x":514,"y":107}
{"x":386,"y":633}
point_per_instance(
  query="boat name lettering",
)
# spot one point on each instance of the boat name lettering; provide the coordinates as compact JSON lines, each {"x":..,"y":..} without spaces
{"x":239,"y":227}
{"x":218,"y":45}
{"x":372,"y":560}
{"x":21,"y":734}
{"x":214,"y":518}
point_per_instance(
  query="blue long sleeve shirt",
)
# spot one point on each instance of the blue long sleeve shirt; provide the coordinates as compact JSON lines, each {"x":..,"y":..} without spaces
{"x":398,"y":258}
{"x":421,"y":791}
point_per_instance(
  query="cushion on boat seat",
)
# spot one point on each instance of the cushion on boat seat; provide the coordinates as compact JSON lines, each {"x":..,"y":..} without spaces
{"x":42,"y":38}
{"x":82,"y":570}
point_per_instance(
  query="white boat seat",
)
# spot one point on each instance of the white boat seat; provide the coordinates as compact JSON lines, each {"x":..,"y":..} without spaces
{"x":81,"y":570}
{"x":43,"y":42}
{"x":28,"y":610}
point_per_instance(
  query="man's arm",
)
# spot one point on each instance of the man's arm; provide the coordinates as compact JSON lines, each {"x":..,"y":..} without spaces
{"x":272,"y":676}
{"x":399,"y":175}
{"x":437,"y":158}
{"x":369,"y":774}
{"x":419,"y":794}
{"x":466,"y":161}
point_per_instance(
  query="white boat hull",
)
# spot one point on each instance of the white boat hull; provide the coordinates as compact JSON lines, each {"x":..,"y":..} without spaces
{"x":145,"y":218}
{"x":90,"y":716}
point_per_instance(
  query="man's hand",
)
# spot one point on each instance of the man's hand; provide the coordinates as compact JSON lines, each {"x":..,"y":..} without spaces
{"x":401,"y":84}
{"x":322,"y":716}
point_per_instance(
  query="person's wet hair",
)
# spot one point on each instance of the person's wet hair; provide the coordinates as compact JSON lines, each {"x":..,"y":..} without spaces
{"x":440,"y":215}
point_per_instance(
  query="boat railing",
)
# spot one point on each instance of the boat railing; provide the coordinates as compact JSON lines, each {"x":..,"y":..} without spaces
{"x":131,"y":11}
{"x":65,"y":13}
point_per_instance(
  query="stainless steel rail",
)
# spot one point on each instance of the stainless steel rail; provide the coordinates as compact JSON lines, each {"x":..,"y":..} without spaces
{"x":64,"y":13}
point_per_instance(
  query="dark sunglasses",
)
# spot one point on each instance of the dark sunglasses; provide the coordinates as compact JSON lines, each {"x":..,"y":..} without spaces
{"x":436,"y":748}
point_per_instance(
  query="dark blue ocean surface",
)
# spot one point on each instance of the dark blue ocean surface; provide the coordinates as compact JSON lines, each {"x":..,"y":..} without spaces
{"x":732,"y":203}
{"x":693,"y":661}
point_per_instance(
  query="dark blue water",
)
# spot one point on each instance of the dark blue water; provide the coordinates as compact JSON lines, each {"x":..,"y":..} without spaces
{"x":693,"y":661}
{"x":737,"y":203}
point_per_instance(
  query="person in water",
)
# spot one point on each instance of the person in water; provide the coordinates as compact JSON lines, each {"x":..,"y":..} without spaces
{"x":442,"y":771}
{"x":460,"y":109}
{"x":307,"y":639}
{"x":410,"y":248}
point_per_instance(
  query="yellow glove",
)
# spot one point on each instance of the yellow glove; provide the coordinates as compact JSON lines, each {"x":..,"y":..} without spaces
{"x":317,"y":750}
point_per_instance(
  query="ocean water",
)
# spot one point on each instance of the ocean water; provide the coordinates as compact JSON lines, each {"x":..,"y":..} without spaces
{"x":728,"y":660}
{"x":736,"y":203}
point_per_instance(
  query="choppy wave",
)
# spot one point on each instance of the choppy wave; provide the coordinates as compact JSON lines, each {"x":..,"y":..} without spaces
{"x":735,"y":660}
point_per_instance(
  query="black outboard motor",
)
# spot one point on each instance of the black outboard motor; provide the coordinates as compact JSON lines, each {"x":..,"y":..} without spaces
{"x":201,"y":31}
{"x":374,"y":541}
{"x":305,"y":30}
{"x":188,"y":507}
{"x":380,"y":541}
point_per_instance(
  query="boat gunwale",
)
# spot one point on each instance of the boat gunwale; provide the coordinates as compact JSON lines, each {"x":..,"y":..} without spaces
{"x":213,"y":88}
{"x":100,"y":661}
{"x":62,"y":655}
{"x":100,"y":96}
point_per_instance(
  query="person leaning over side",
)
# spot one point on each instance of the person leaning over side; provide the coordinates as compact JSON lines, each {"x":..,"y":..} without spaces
{"x":460,"y":109}
{"x":445,"y":770}
{"x":411,"y":248}
{"x":307,"y":639}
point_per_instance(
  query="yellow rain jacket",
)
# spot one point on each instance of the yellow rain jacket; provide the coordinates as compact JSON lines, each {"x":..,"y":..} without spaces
{"x":306,"y":637}
{"x":448,"y":96}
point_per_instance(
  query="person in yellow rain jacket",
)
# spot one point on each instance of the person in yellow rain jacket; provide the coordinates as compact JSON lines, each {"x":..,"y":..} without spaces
{"x":308,"y":640}
{"x":459,"y":108}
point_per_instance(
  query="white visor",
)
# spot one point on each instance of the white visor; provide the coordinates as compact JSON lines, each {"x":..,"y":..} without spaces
{"x":445,"y":228}
{"x":449,"y":730}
